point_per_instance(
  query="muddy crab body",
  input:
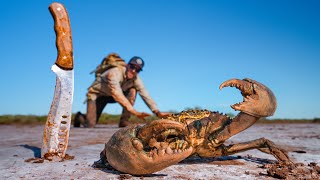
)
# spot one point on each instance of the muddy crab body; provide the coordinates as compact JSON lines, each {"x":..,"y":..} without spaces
{"x":161,"y":143}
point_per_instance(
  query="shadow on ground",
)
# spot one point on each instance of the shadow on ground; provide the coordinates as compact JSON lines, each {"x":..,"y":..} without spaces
{"x":36,"y":150}
{"x":229,"y":160}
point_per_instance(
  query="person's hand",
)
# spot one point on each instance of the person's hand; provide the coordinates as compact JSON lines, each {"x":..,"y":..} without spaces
{"x":142,"y":115}
{"x":162,"y":114}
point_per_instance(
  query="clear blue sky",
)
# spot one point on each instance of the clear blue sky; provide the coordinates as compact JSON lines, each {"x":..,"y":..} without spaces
{"x":189,"y":47}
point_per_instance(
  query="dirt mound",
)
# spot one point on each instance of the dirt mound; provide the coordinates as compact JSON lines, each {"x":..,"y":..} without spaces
{"x":293,"y":171}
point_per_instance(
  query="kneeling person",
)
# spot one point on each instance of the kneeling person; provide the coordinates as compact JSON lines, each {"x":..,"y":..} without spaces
{"x":118,"y":84}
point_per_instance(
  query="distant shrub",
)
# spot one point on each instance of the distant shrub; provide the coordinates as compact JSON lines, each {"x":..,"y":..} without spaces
{"x":266,"y":121}
{"x":231,"y":115}
{"x":316,"y":120}
{"x":113,"y":119}
{"x":22,"y":119}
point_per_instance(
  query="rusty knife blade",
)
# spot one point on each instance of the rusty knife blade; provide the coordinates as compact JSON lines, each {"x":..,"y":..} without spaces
{"x":57,"y":127}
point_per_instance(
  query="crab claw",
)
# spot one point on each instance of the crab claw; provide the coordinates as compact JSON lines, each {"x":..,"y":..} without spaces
{"x":258,"y":100}
{"x":130,"y":151}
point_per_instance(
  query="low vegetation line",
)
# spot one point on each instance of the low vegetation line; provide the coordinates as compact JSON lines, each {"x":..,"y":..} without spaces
{"x":34,"y":119}
{"x":113,"y":119}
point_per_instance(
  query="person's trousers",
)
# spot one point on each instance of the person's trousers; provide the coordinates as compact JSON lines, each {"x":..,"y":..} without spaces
{"x":95,"y":108}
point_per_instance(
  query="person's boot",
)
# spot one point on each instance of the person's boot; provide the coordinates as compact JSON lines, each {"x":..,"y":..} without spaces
{"x":124,"y":119}
{"x":123,"y":123}
{"x":78,"y":119}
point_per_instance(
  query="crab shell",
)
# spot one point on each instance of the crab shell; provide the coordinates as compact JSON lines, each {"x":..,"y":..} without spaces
{"x":125,"y":153}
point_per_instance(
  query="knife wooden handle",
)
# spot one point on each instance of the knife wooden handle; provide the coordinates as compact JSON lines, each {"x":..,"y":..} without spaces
{"x":63,"y":36}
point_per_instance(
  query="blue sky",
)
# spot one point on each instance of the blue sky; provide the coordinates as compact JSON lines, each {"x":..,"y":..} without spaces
{"x":189,"y":47}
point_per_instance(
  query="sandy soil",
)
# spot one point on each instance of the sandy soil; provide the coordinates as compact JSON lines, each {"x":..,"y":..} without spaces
{"x":19,"y":143}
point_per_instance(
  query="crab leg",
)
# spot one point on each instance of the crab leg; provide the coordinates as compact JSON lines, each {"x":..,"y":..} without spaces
{"x":263,"y":145}
{"x":239,"y":123}
{"x":57,"y":127}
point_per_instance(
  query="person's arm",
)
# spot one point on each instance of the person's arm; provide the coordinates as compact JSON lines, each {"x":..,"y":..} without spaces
{"x":113,"y":81}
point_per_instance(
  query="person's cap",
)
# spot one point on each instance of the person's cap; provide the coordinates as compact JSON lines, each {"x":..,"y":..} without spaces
{"x":138,"y":61}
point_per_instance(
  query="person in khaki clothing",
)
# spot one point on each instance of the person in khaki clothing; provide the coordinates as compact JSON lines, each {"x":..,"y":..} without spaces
{"x":118,"y":84}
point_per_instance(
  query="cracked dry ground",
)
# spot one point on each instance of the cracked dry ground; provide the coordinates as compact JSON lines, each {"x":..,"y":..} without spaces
{"x":302,"y":141}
